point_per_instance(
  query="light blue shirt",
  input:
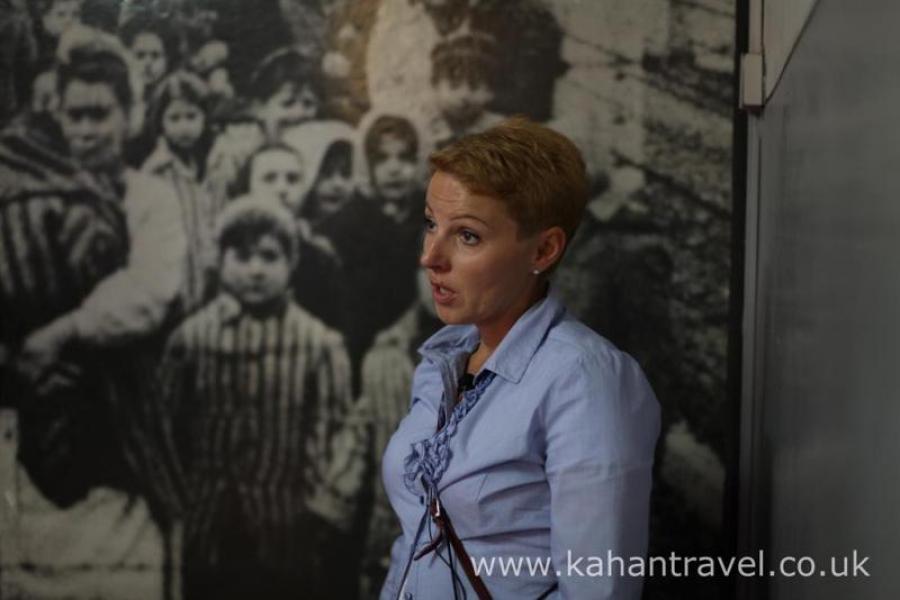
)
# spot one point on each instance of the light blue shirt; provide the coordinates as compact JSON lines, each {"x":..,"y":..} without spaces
{"x":552,"y":462}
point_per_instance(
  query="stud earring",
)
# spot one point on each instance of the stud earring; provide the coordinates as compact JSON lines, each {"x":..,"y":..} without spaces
{"x":536,"y":272}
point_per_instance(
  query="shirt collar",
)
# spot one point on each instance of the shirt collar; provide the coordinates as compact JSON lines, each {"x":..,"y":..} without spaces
{"x":516,"y":350}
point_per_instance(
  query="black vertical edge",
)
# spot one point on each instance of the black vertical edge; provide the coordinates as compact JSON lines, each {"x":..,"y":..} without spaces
{"x":731,"y":499}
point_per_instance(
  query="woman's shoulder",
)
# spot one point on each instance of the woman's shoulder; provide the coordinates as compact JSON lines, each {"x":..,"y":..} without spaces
{"x":575,"y":357}
{"x":571,"y":340}
{"x":594,"y":389}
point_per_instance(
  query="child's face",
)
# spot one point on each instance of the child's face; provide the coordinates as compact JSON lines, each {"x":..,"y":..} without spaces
{"x":276,"y":174}
{"x":150,"y":54}
{"x":462,"y":102}
{"x":288,"y":106}
{"x":61,"y":15}
{"x":394,"y":168}
{"x":334,"y":186}
{"x":256,"y":273}
{"x":182,"y":124}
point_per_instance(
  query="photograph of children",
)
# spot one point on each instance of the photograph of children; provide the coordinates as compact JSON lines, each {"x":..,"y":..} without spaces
{"x":211,"y":218}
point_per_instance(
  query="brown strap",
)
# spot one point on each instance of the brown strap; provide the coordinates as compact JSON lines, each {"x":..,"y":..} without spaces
{"x":442,"y":519}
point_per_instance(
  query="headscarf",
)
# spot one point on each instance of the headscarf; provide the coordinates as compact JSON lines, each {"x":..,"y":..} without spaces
{"x":312,"y":140}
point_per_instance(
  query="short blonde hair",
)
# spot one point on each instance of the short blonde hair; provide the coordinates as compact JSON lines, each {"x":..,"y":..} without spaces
{"x":538,"y":173}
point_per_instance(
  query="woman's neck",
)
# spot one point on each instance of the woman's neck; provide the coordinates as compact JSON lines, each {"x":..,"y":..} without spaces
{"x":491,"y":334}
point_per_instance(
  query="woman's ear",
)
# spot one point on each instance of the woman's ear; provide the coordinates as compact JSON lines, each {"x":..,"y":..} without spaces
{"x":550,"y":246}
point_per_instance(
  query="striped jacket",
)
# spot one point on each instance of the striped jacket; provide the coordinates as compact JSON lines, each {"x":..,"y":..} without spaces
{"x":254,"y":405}
{"x":60,"y":231}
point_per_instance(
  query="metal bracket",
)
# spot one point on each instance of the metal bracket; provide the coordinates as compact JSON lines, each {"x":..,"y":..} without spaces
{"x":752,"y":92}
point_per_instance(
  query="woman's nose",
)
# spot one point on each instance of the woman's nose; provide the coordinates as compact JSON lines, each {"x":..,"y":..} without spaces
{"x":433,"y":257}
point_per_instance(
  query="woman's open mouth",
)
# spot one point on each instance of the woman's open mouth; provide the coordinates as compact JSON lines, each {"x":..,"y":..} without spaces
{"x":442,"y":295}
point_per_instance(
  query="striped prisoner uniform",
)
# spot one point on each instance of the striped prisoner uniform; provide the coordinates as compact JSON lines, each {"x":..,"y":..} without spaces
{"x":255,"y":402}
{"x":61,"y":233}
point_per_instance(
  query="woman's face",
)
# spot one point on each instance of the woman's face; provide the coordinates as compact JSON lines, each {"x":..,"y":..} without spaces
{"x":182,"y":124}
{"x":394,"y":168}
{"x":150,"y":54}
{"x":276,"y":174}
{"x":93,"y":123}
{"x":479,"y":269}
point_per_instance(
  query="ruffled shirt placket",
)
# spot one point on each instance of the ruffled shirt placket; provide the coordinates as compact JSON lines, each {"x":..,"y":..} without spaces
{"x":428,"y":459}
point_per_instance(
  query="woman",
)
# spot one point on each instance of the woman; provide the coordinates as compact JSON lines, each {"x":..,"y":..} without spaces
{"x":86,"y":412}
{"x":528,"y":436}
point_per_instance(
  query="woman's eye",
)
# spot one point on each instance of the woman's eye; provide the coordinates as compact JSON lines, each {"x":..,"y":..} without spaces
{"x":429,"y":224}
{"x":469,"y":237}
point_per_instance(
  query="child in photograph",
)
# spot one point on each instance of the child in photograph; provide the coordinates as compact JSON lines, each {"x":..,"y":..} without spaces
{"x":178,"y":121}
{"x":463,"y":78}
{"x":392,"y":153}
{"x":53,"y":18}
{"x":251,"y":30}
{"x":59,"y":15}
{"x":333,"y":187}
{"x":209,"y":59}
{"x":285,"y":91}
{"x":256,"y":389}
{"x":345,"y":48}
{"x":328,"y":151}
{"x":277,"y":173}
{"x":377,"y":236}
{"x":152,"y":47}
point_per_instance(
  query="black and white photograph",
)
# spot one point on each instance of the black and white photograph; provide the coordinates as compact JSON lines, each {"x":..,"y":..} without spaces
{"x":211,"y":293}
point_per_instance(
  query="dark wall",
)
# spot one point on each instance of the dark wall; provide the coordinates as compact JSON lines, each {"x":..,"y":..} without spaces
{"x":820,"y":380}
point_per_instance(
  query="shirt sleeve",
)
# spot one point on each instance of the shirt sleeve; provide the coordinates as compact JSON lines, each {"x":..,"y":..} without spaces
{"x":602,"y":427}
{"x":133,"y":301}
